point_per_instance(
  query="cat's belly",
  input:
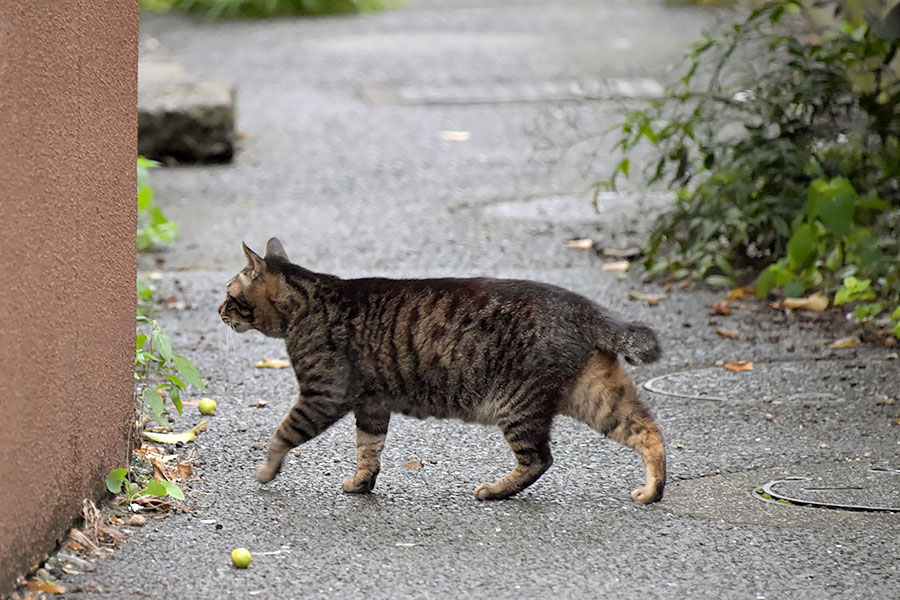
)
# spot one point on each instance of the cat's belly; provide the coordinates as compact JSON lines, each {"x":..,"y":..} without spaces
{"x":442,"y":409}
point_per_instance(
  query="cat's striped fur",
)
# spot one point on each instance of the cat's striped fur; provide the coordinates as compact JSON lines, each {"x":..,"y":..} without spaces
{"x":504,"y":352}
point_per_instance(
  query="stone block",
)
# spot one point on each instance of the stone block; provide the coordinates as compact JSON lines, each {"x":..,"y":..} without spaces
{"x":183,"y":118}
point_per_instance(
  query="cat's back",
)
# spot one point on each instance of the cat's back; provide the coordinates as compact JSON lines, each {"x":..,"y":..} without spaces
{"x":469,"y":314}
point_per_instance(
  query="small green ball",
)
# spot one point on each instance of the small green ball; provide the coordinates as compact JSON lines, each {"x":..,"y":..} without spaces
{"x":206,"y":406}
{"x":240,"y":557}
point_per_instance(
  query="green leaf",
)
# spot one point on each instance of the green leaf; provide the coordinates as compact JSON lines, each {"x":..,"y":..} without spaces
{"x":175,"y":381}
{"x":188,"y":372}
{"x":155,"y":403}
{"x":854,"y":290}
{"x":801,"y":248}
{"x":145,"y":163}
{"x":157,"y":217}
{"x":139,"y":341}
{"x":144,"y":291}
{"x":795,"y":288}
{"x":895,"y":316}
{"x":115,"y":479}
{"x":173,"y":490}
{"x":724,"y":265}
{"x":833,"y":203}
{"x":720,"y":281}
{"x":865,"y":311}
{"x":834,"y":260}
{"x":175,"y":397}
{"x":781,"y":226}
{"x":156,"y":488}
{"x":144,"y":198}
{"x":766,"y":281}
{"x":162,"y":344}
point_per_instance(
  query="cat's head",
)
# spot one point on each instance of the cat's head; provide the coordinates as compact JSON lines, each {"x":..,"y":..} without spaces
{"x":251,"y":296}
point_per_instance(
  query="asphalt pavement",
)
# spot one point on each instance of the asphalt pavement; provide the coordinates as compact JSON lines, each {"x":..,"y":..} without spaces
{"x":460,"y":137}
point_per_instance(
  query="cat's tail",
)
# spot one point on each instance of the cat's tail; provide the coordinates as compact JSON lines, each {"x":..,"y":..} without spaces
{"x":637,"y":343}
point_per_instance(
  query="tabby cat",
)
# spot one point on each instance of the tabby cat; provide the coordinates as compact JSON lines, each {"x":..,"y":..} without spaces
{"x":504,"y":352}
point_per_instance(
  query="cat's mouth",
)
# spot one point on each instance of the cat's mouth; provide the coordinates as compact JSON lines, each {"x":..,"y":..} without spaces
{"x":240,"y":327}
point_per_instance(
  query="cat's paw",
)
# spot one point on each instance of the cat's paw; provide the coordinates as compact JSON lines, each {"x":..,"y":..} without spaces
{"x":490,"y":491}
{"x":647,"y":494}
{"x":358,"y":485}
{"x":266,"y":472}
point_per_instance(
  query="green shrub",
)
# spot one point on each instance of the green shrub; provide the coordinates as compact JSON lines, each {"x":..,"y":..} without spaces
{"x":784,"y":149}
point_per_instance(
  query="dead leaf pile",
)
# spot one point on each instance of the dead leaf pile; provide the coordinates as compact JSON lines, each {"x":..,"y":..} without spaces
{"x":168,"y":466}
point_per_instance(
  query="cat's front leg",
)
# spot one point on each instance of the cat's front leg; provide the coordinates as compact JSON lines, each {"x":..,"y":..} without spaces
{"x":371,"y":429}
{"x":312,"y":413}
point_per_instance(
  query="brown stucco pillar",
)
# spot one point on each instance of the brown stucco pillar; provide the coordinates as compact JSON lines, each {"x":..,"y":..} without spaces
{"x":68,"y":129}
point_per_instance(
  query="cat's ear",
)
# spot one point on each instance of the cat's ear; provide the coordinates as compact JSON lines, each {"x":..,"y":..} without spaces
{"x":274,"y":249}
{"x":256,"y":264}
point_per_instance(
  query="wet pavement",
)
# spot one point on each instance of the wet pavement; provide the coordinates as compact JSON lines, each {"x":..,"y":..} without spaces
{"x":438,"y":139}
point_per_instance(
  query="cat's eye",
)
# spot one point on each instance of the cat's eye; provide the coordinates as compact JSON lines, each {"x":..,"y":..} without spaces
{"x":241,"y":305}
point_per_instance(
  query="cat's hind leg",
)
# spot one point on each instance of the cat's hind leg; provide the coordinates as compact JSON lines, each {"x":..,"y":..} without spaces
{"x":371,"y":429}
{"x":528,"y":436}
{"x":308,"y":417}
{"x":603,"y":396}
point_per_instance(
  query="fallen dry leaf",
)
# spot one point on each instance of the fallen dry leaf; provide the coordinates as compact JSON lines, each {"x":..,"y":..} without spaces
{"x":740,"y":292}
{"x":259,"y":446}
{"x":650,"y":299}
{"x":883,"y":400}
{"x":272,"y":363}
{"x":46,"y":586}
{"x":816,"y":302}
{"x":414,"y":464}
{"x":173,"y":438}
{"x":722,"y":307}
{"x":182,"y":471}
{"x":896,"y":421}
{"x":619,"y":265}
{"x":847,"y":342}
{"x":739,"y":365}
{"x":728,"y":333}
{"x":581,"y":244}
{"x":259,"y":404}
{"x":456,"y":136}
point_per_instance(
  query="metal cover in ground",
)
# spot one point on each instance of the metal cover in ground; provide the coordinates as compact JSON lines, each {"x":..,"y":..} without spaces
{"x":865,"y":490}
{"x":514,"y":91}
{"x":820,"y":382}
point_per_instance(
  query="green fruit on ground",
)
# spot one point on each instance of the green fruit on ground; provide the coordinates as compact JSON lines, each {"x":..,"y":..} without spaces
{"x":240,"y":557}
{"x":207,"y":406}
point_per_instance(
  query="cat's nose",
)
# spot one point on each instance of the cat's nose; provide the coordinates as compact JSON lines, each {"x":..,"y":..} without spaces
{"x":222,"y":308}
